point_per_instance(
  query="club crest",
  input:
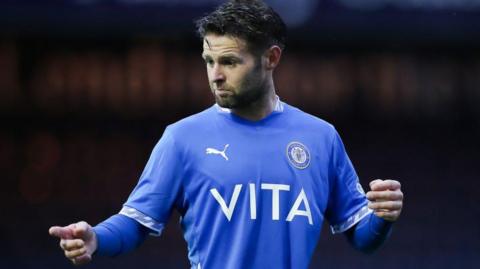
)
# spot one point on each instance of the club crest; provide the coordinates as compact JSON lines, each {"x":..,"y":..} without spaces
{"x":298,"y":155}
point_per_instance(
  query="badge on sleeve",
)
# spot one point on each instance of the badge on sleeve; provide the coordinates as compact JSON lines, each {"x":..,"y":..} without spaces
{"x":298,"y":155}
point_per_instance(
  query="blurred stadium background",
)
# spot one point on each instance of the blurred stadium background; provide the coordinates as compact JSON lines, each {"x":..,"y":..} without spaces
{"x":88,"y":86}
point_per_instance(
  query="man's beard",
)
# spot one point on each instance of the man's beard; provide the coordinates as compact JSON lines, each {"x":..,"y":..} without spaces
{"x":242,"y":100}
{"x":253,"y":89}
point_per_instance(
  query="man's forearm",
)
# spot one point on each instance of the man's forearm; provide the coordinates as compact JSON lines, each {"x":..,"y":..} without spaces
{"x":119,"y":234}
{"x":370,"y":233}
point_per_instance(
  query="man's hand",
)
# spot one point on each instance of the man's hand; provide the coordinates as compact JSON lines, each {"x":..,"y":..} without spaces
{"x":77,"y":240}
{"x":385,"y":199}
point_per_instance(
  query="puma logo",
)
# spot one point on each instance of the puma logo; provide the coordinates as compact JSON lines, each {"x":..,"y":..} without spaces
{"x":218,"y":152}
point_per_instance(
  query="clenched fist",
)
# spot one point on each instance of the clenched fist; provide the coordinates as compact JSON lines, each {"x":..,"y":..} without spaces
{"x":385,"y":199}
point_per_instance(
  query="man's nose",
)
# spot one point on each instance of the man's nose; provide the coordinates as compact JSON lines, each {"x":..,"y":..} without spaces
{"x":217,"y":74}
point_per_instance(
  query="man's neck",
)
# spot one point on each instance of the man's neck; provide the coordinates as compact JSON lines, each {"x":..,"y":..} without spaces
{"x":259,"y":109}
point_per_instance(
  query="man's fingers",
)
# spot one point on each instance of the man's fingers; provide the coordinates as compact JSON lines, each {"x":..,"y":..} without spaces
{"x":75,"y":230}
{"x":385,"y":195}
{"x":374,"y":182}
{"x":77,"y":240}
{"x":385,"y":206}
{"x":385,"y":199}
{"x":73,"y":254}
{"x":61,"y":232}
{"x":388,"y":215}
{"x":71,"y":244}
{"x":383,"y":185}
{"x":85,"y":258}
{"x":81,"y":229}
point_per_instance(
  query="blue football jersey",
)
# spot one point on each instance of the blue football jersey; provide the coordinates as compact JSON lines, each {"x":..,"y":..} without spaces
{"x":251,"y":194}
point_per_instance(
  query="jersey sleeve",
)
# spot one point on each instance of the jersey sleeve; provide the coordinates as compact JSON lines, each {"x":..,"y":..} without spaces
{"x":154,"y":196}
{"x":347,"y":203}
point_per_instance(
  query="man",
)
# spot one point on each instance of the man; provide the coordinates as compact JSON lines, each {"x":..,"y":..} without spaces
{"x":252,"y":177}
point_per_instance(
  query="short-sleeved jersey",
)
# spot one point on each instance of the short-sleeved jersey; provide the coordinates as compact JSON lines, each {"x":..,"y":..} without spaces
{"x":250,"y":194}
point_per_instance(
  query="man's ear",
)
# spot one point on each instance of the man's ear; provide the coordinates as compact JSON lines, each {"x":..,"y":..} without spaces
{"x":272,"y":57}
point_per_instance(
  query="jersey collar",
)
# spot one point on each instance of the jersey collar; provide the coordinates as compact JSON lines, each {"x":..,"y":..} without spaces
{"x":278,"y":107}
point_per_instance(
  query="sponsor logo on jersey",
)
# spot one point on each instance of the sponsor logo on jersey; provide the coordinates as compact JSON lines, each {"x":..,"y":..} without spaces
{"x":300,"y":208}
{"x":298,"y":155}
{"x":218,"y":152}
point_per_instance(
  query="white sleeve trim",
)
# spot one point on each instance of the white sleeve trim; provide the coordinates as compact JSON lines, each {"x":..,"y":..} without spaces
{"x":143,"y":219}
{"x":352,"y":220}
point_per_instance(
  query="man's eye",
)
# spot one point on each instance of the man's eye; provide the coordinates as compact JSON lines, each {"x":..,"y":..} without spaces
{"x":229,"y":62}
{"x":209,"y":62}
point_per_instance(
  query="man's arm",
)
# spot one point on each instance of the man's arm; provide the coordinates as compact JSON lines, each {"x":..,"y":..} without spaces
{"x":369,"y":234}
{"x":114,"y":236}
{"x":386,"y":201}
{"x":119,"y":234}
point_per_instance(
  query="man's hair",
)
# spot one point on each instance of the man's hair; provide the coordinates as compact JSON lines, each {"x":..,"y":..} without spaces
{"x":251,"y":20}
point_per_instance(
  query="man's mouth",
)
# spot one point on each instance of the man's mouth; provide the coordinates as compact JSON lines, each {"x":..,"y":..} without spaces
{"x":222,"y":92}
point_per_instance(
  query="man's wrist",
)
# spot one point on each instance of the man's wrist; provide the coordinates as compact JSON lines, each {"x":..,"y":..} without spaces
{"x":379,"y":225}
